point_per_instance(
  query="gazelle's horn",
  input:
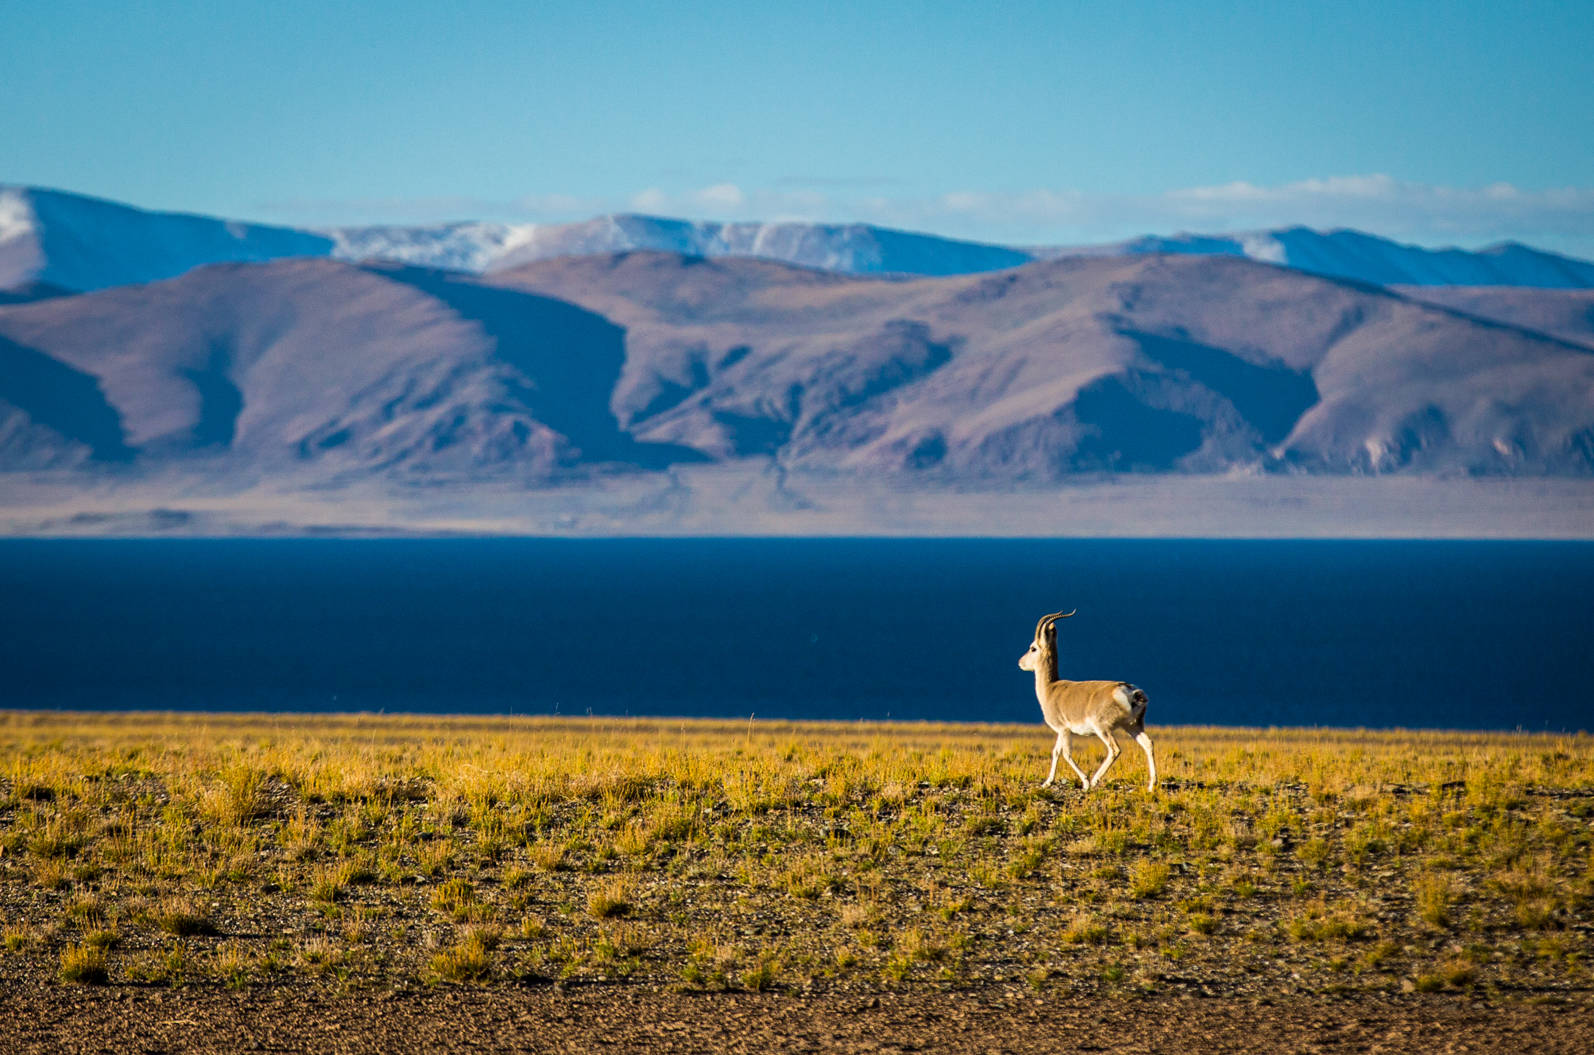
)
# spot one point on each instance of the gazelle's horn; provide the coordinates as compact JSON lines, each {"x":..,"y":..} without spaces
{"x":1040,"y":627}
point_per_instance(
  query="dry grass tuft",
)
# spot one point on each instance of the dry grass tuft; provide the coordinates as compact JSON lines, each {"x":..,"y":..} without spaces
{"x":84,"y":965}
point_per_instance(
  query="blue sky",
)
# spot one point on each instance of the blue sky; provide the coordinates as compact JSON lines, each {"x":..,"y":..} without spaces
{"x":1439,"y":122}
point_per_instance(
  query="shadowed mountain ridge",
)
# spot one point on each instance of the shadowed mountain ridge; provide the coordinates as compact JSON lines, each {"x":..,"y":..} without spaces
{"x":334,"y":367}
{"x":639,"y":361}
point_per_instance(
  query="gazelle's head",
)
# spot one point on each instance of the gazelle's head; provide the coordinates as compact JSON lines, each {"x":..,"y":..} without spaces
{"x":1045,"y":640}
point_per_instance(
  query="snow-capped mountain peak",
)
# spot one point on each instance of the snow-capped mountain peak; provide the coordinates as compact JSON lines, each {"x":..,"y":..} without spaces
{"x":1362,"y":257}
{"x":79,"y":243}
{"x":470,"y":246}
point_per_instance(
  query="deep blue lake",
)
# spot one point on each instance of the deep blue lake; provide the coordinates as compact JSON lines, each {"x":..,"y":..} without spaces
{"x":1481,"y":635}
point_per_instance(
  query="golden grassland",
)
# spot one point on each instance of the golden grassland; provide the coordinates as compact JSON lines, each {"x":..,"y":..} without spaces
{"x":360,"y":851}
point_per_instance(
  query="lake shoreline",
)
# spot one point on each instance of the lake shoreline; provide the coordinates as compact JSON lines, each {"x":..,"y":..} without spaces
{"x":758,"y":501}
{"x":598,"y":723}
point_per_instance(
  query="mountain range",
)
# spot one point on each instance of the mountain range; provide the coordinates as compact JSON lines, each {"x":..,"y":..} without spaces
{"x":55,"y":240}
{"x":286,"y":366}
{"x":643,"y":360}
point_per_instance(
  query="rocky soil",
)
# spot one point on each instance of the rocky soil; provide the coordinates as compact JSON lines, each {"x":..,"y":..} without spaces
{"x":618,"y":1019}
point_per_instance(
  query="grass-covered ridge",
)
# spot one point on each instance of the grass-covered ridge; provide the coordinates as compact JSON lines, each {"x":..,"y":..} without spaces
{"x":361,"y":850}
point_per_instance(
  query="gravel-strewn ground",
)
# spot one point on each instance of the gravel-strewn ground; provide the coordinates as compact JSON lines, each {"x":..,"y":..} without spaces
{"x":619,"y":1019}
{"x":353,"y":883}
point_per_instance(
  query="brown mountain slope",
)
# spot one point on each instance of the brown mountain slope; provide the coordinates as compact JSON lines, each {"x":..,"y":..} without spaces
{"x":317,"y":362}
{"x":1122,"y":364}
{"x":1564,"y":313}
{"x":1139,"y":364}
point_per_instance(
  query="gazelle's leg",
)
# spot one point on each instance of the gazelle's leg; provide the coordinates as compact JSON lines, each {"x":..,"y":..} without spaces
{"x":1051,"y":776}
{"x":1112,"y":755}
{"x":1151,"y":763}
{"x":1063,"y":739}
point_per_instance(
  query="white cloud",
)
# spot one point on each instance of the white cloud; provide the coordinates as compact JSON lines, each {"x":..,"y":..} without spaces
{"x":650,"y":200}
{"x":722,"y":197}
{"x":728,"y":201}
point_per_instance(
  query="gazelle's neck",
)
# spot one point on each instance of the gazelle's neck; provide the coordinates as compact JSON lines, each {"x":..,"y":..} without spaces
{"x":1045,"y":671}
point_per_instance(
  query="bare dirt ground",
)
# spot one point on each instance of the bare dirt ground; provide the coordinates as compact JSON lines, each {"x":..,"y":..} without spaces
{"x":621,"y":1019}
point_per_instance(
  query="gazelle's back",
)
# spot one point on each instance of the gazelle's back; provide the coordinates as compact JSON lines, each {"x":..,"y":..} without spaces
{"x":1082,"y":707}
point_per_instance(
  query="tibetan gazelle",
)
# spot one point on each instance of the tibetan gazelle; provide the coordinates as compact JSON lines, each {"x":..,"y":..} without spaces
{"x":1084,"y":708}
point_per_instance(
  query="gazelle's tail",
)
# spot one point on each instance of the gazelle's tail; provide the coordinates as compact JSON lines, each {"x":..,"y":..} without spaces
{"x":1137,"y":703}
